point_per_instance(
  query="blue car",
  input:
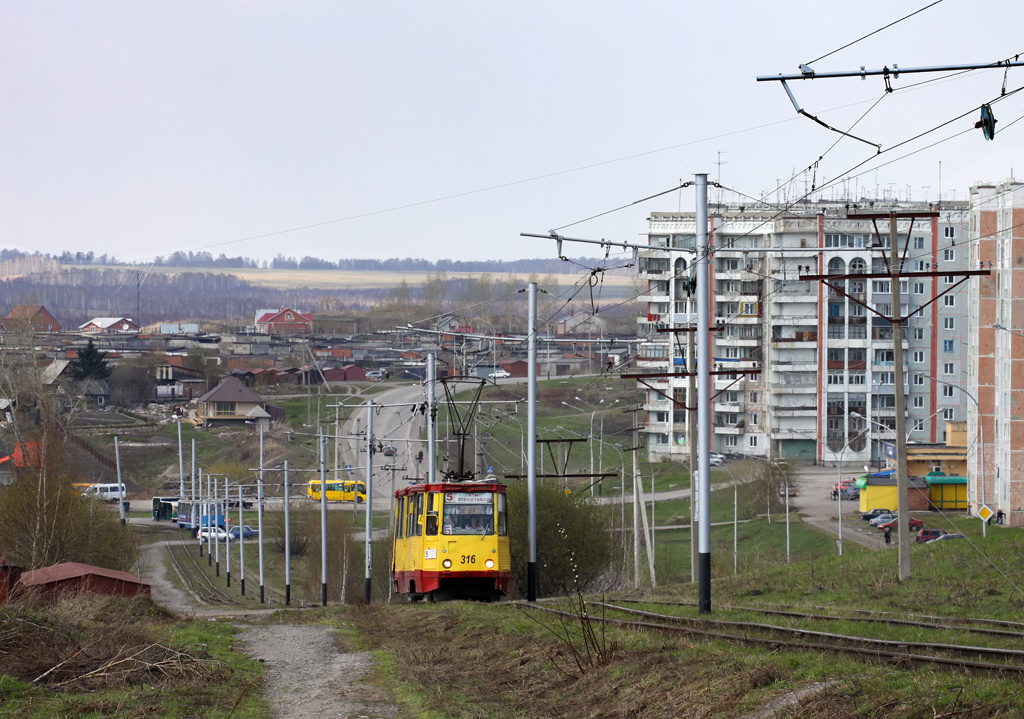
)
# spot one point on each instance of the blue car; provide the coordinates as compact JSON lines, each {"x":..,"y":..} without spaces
{"x":247,"y":532}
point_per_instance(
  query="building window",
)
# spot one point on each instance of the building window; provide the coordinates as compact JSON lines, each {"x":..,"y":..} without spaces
{"x":918,"y":402}
{"x":836,"y":378}
{"x":753,"y":398}
{"x":886,"y":378}
{"x":856,"y":378}
{"x":949,"y":300}
{"x":949,"y":254}
{"x":748,"y":309}
{"x":949,"y":231}
{"x":919,"y":288}
{"x":730,"y":440}
{"x":948,"y":345}
{"x":947,"y":368}
{"x":949,"y":323}
{"x":947,"y":414}
{"x":919,"y":379}
{"x":661,"y":438}
{"x":753,"y":419}
{"x":918,"y":243}
{"x":661,"y":416}
{"x":752,"y":442}
{"x":919,"y":333}
{"x":949,"y":279}
{"x":881,"y":286}
{"x":947,"y":390}
{"x":918,"y":356}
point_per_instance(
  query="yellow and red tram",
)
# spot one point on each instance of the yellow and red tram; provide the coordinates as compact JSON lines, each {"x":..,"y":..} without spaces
{"x":451,"y":541}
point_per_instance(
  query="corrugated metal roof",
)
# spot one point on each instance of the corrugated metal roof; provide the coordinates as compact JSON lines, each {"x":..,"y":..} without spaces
{"x":69,"y":570}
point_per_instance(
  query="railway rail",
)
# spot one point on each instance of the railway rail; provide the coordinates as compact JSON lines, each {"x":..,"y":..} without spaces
{"x":959,"y":656}
{"x":204,"y":587}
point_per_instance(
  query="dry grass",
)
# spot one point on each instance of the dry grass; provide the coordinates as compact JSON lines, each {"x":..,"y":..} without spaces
{"x":460,"y":659}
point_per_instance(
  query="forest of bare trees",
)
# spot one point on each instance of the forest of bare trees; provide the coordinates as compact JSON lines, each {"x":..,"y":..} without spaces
{"x":76,"y":294}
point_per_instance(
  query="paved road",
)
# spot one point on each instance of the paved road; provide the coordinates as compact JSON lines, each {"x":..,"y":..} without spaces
{"x":814,"y":502}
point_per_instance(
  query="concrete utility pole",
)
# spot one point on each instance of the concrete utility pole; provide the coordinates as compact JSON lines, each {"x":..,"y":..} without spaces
{"x":702,"y":263}
{"x":369,"y":499}
{"x":531,"y":445}
{"x":322,"y":446}
{"x":894,"y":274}
{"x":287,"y":540}
{"x":691,"y":432}
{"x":902,"y":482}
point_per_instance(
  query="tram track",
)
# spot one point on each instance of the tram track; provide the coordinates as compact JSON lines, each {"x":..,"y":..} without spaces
{"x":774,"y":637}
{"x":211,"y":594}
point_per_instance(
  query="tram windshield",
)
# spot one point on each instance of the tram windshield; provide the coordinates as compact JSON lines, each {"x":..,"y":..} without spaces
{"x":468,"y":513}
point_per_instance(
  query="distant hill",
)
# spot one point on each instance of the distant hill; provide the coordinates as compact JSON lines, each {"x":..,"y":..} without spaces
{"x":206,"y":260}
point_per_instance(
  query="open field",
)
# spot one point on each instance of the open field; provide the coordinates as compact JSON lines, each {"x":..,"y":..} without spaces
{"x":616,"y":285}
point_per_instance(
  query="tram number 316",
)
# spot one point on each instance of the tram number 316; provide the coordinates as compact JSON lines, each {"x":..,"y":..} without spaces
{"x":469,"y":559}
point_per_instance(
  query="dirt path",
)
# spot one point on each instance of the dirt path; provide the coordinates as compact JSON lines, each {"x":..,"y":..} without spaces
{"x":308,"y":676}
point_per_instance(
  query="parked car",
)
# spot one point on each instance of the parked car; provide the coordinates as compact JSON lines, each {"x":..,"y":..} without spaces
{"x":246,"y":531}
{"x":389,"y":451}
{"x":868,"y":516}
{"x":883,"y":518}
{"x":848,"y":493}
{"x":926,"y":535}
{"x":791,"y":490}
{"x":717,"y":455}
{"x":716,"y":460}
{"x":915,"y":524}
{"x":944,"y":537}
{"x":499,"y":374}
{"x":375,"y":375}
{"x":215,"y":534}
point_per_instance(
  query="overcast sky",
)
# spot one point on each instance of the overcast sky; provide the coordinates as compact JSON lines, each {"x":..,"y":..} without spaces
{"x":444,"y":129}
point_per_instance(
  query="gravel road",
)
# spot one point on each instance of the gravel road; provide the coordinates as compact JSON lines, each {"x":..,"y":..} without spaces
{"x":307,"y":675}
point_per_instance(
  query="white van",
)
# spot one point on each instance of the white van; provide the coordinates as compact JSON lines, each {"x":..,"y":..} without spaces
{"x":105,"y":492}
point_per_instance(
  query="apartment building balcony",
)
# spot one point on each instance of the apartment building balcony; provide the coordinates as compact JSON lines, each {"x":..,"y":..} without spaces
{"x":728,"y":428}
{"x":737,"y":341}
{"x":790,"y":297}
{"x":809,"y":409}
{"x":684,"y":318}
{"x":727,"y":407}
{"x":721,"y":383}
{"x":660,"y":298}
{"x":794,"y":387}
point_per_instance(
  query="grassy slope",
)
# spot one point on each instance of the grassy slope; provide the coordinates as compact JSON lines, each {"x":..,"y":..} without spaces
{"x":477,"y":660}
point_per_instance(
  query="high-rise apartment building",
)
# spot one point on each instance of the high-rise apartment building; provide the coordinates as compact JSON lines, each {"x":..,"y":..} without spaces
{"x":825,"y":388}
{"x":996,"y":376}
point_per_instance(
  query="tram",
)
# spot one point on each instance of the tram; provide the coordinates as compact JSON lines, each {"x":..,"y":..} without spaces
{"x":451,"y":541}
{"x":203,"y":513}
{"x":338,"y":491}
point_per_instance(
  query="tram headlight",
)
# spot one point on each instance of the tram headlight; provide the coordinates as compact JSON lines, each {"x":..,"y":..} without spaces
{"x":447,"y":564}
{"x":489,"y":564}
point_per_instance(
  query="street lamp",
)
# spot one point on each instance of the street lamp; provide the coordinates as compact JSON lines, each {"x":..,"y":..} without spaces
{"x":600,"y":457}
{"x":981,"y":435}
{"x":590,"y":435}
{"x":839,"y":474}
{"x":735,"y":521}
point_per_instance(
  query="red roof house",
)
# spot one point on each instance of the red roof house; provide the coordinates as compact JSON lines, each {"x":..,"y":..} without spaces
{"x":31,"y":317}
{"x":284,"y":321}
{"x":75,"y":578}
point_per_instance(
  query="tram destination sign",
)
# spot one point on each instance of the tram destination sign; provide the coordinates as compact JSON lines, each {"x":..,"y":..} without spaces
{"x":468,"y":498}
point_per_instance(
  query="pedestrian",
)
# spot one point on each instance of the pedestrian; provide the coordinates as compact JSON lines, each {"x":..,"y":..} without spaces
{"x":999,"y":517}
{"x":835,"y":494}
{"x":888,"y":536}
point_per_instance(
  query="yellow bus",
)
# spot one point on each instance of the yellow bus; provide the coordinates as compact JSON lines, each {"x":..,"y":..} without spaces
{"x":338,"y":490}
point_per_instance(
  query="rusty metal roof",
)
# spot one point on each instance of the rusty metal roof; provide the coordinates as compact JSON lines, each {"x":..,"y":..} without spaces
{"x":69,"y":570}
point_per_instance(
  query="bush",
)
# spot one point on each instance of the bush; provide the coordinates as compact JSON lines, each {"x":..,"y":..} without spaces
{"x":574,"y":546}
